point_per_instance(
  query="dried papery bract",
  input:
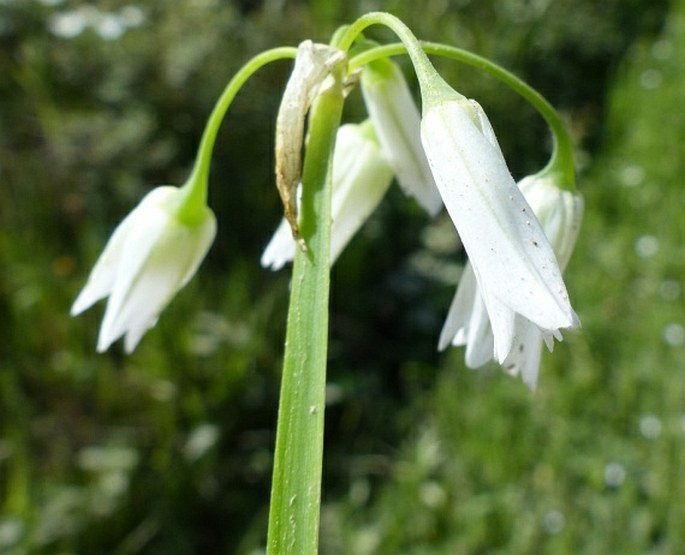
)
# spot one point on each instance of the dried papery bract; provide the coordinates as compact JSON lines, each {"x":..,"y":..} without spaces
{"x":313,"y":65}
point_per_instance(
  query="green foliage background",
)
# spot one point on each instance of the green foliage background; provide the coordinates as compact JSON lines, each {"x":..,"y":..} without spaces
{"x":169,"y":450}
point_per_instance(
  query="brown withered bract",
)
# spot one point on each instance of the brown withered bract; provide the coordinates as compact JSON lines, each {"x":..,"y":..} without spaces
{"x":313,"y":65}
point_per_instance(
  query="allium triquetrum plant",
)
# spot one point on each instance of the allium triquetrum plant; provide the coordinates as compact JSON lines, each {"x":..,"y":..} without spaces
{"x":330,"y":177}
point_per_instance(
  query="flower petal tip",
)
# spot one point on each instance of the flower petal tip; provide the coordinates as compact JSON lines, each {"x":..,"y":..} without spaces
{"x":85,"y":299}
{"x":104,"y":343}
{"x":79,"y":306}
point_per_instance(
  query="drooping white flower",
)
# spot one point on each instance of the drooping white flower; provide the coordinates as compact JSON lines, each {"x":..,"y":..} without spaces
{"x":560,"y":213}
{"x":361,"y":176}
{"x":150,"y":256}
{"x":396,"y":118}
{"x":513,"y":262}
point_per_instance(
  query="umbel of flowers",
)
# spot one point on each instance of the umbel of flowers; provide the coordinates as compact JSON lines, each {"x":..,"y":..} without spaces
{"x":331,"y":176}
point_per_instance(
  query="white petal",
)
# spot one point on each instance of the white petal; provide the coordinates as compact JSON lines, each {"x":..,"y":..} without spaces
{"x":480,"y":340}
{"x":484,"y":124}
{"x":135,"y":334}
{"x":502,"y":320}
{"x":149,"y":257}
{"x":137,"y":247}
{"x":518,"y":343}
{"x":396,"y":118}
{"x":559,"y":211}
{"x":361,"y":178}
{"x":467,"y":322}
{"x":524,"y":357}
{"x":459,"y":313}
{"x":281,"y":248}
{"x":102,"y":276}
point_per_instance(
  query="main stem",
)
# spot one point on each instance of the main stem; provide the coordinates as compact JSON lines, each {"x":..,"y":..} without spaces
{"x":296,"y":487}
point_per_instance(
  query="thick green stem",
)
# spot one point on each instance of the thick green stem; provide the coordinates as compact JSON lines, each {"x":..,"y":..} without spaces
{"x":296,"y":487}
{"x":562,"y":159}
{"x":195,"y":189}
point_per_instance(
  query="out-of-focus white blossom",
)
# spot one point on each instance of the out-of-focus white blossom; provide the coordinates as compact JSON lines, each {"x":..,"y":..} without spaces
{"x":150,"y":256}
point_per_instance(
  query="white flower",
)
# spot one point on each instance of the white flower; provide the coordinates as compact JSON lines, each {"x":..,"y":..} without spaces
{"x":396,"y":119}
{"x":149,"y":257}
{"x":361,"y":176}
{"x":560,"y":213}
{"x":513,"y":262}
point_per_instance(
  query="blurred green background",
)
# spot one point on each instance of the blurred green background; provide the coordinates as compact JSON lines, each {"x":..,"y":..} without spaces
{"x":169,"y":450}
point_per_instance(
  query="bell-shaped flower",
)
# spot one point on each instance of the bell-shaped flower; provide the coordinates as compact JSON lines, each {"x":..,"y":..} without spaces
{"x":150,"y":256}
{"x":560,"y":212}
{"x":396,"y":118}
{"x":513,"y":262}
{"x":361,"y":176}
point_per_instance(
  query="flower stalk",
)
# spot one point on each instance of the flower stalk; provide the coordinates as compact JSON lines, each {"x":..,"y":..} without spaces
{"x":195,"y":191}
{"x":562,"y":158}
